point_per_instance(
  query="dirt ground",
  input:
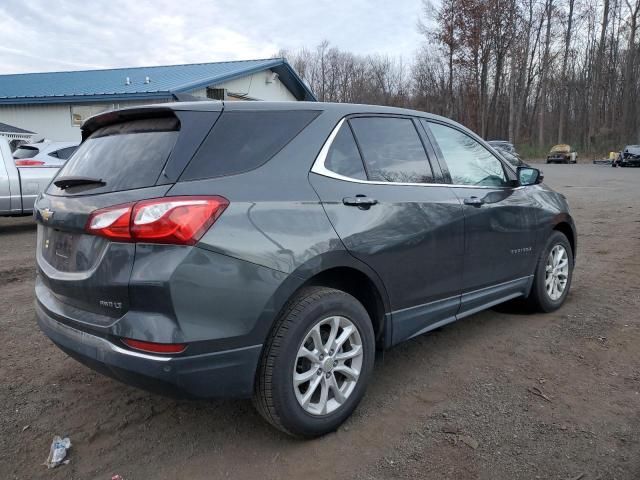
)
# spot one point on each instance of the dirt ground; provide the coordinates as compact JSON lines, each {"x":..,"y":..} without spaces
{"x":456,"y":403}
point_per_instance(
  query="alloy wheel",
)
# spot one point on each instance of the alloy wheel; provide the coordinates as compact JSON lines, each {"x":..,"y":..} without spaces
{"x":328,"y":365}
{"x":556,"y":272}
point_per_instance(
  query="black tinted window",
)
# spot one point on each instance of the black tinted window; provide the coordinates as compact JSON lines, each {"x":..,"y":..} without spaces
{"x":64,"y":153}
{"x":127,"y":155}
{"x":392,"y":150}
{"x":343,"y":157}
{"x":242,"y":141}
{"x":25,"y":152}
{"x":468,"y":161}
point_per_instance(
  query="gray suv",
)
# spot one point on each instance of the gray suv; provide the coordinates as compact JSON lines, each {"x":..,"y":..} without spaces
{"x":266,"y":250}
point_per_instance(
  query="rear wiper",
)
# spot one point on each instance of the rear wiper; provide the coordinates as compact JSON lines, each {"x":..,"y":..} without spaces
{"x":66,"y":182}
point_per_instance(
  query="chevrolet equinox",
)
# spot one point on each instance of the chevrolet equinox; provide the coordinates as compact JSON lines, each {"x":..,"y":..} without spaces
{"x":267,"y":250}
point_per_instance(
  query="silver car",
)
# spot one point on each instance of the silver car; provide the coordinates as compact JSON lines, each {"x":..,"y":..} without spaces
{"x":50,"y":154}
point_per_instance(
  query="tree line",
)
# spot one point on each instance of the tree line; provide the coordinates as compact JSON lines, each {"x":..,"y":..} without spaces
{"x":535,"y":72}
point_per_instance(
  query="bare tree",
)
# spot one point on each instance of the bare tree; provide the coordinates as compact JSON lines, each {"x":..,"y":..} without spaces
{"x":531,"y":71}
{"x":630,"y":83}
{"x":564,"y":93}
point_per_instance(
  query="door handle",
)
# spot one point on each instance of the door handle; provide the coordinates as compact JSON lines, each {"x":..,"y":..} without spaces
{"x":474,"y":201}
{"x":360,"y":201}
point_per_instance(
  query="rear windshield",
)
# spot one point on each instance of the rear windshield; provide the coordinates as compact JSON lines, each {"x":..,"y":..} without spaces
{"x":25,"y":152}
{"x":242,"y":141}
{"x":126,"y":155}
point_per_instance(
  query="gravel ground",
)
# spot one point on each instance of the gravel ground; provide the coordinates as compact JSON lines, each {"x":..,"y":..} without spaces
{"x":463,"y":402}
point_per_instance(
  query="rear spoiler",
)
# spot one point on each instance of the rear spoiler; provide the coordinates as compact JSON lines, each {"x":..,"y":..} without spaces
{"x":196,"y":120}
{"x":147,"y":111}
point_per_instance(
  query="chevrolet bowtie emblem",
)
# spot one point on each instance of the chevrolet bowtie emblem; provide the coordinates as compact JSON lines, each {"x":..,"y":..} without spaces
{"x":46,"y":214}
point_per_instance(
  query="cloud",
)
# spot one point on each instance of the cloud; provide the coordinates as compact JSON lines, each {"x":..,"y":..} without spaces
{"x":76,"y":34}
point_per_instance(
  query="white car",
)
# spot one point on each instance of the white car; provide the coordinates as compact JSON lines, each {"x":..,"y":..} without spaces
{"x":49,"y":154}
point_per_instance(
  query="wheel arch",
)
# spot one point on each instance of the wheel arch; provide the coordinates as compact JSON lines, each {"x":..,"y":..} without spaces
{"x":565,"y":226}
{"x":359,"y":285}
{"x":339,"y":270}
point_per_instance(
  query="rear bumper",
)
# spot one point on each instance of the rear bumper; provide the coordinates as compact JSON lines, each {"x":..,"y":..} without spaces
{"x":228,"y":373}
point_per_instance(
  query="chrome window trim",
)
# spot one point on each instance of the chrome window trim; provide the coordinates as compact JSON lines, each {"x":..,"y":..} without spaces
{"x":320,"y":168}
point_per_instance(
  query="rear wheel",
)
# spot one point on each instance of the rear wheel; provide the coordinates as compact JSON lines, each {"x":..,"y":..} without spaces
{"x":316,"y":364}
{"x":552,"y":278}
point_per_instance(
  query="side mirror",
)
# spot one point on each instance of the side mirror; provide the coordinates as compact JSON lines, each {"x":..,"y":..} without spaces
{"x":529,"y":176}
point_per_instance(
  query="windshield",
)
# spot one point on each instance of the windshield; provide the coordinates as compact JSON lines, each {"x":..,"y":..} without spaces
{"x":633,"y":149}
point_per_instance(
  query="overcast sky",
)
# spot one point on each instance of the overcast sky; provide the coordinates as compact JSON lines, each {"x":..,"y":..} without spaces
{"x":44,"y":35}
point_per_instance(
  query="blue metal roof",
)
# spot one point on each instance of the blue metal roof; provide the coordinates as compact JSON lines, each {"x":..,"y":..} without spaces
{"x":111,"y":84}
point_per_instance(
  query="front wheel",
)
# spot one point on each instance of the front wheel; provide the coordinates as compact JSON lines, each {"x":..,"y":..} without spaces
{"x":316,"y":363}
{"x":553,"y":275}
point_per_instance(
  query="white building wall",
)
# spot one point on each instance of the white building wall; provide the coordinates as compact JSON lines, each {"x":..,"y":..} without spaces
{"x":52,"y":121}
{"x":255,"y":86}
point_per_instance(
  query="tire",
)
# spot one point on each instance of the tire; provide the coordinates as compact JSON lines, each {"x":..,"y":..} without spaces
{"x":540,"y":299}
{"x":278,"y":399}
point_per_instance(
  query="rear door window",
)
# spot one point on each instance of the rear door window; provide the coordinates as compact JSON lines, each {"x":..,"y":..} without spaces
{"x":243,"y":141}
{"x":125,"y":155}
{"x":392,"y":150}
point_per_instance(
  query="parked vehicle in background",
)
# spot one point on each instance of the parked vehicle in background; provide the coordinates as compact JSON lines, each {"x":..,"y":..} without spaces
{"x":20,"y":184}
{"x":15,"y":143}
{"x":44,"y":153}
{"x":265,"y":249}
{"x":629,"y":157}
{"x":562,"y":154}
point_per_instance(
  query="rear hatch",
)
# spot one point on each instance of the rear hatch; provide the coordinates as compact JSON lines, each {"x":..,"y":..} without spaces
{"x":126,"y":157}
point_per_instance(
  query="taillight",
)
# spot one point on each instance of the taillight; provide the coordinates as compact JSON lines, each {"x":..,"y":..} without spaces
{"x":152,"y":347}
{"x":175,"y":220}
{"x":28,"y":162}
{"x":112,"y":222}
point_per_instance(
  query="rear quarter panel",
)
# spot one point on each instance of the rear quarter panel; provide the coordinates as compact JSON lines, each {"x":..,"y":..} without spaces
{"x":275,"y":220}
